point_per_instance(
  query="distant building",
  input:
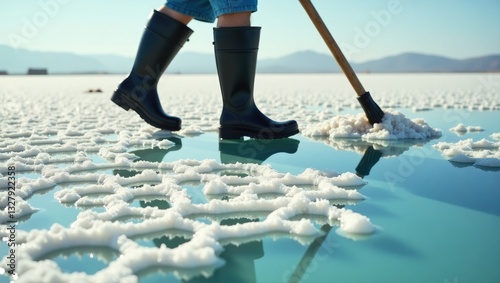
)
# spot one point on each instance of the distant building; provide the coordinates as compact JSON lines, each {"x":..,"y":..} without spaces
{"x":36,"y":71}
{"x":2,"y":72}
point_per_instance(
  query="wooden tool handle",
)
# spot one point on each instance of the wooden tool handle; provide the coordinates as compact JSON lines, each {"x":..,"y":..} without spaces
{"x":332,"y":45}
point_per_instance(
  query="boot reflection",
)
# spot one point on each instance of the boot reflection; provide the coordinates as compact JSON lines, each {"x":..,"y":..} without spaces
{"x":240,"y":266}
{"x":151,"y":155}
{"x":253,"y":150}
{"x":170,"y":242}
{"x":157,"y":154}
{"x":239,"y":259}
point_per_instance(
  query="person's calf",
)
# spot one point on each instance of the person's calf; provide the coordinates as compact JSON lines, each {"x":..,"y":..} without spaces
{"x":234,"y":20}
{"x":185,"y":19}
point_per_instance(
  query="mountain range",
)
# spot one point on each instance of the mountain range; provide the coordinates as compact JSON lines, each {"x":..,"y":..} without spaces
{"x":18,"y":61}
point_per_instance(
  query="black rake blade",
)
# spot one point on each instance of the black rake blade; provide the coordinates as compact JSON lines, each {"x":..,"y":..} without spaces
{"x":372,"y":110}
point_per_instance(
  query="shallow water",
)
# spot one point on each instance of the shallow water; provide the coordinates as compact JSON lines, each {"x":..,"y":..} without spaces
{"x":436,"y":220}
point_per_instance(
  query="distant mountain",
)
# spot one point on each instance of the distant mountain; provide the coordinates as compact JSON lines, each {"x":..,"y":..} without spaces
{"x":414,"y":62}
{"x":18,"y":61}
{"x":312,"y":62}
{"x":300,"y":62}
{"x":112,"y":63}
{"x":191,"y":62}
{"x":408,"y":62}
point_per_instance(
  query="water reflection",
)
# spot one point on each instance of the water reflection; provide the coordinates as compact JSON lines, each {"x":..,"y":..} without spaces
{"x":254,"y":151}
{"x":309,"y":255}
{"x":257,"y":151}
{"x":369,"y":159}
{"x":157,"y":154}
{"x":239,"y":266}
{"x":86,"y":258}
{"x":152,"y":154}
{"x":483,"y":168}
{"x":372,"y":150}
{"x":240,"y":258}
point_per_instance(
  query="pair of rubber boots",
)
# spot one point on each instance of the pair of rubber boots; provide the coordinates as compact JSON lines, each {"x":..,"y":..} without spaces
{"x":236,"y":58}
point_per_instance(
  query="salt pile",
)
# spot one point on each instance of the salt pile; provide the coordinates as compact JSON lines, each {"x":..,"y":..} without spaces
{"x":461,"y":128}
{"x":394,"y":126}
{"x":483,"y":153}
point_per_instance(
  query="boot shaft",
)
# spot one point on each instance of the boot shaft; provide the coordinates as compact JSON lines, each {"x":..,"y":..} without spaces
{"x":236,"y":57}
{"x":236,"y":51}
{"x":162,"y":39}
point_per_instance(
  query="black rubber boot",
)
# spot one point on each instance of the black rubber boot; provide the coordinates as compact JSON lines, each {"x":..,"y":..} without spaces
{"x":162,"y":39}
{"x":236,"y":57}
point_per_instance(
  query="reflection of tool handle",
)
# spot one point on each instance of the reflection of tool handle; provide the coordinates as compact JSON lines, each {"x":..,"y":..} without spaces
{"x":370,"y":158}
{"x":306,"y":259}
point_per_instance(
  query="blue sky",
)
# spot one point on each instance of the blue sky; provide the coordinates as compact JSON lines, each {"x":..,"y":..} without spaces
{"x":365,"y":29}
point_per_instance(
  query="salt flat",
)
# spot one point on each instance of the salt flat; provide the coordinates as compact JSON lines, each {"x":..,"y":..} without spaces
{"x":89,"y":175}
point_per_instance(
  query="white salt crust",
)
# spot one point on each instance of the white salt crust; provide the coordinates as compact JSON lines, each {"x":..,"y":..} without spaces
{"x":461,"y":128}
{"x":75,"y":150}
{"x":394,"y":126}
{"x":483,"y":153}
{"x":63,"y":136}
{"x":100,"y":229}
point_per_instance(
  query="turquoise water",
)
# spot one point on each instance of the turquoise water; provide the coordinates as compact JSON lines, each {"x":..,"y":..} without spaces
{"x":437,"y":221}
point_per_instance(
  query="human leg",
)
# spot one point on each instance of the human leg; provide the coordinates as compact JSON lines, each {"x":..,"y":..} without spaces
{"x":241,"y":19}
{"x":185,"y":19}
{"x":236,"y":44}
{"x":161,"y":41}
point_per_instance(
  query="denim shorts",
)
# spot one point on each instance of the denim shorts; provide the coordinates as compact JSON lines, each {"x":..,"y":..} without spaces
{"x":209,"y":10}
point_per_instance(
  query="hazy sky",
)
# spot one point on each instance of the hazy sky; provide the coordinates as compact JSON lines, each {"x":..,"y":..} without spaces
{"x":365,"y":29}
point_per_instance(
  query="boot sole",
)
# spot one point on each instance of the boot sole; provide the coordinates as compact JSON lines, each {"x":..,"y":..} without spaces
{"x":121,"y":99}
{"x":234,"y":133}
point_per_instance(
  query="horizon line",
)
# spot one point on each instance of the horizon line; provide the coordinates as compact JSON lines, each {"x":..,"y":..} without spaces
{"x":263,"y":58}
